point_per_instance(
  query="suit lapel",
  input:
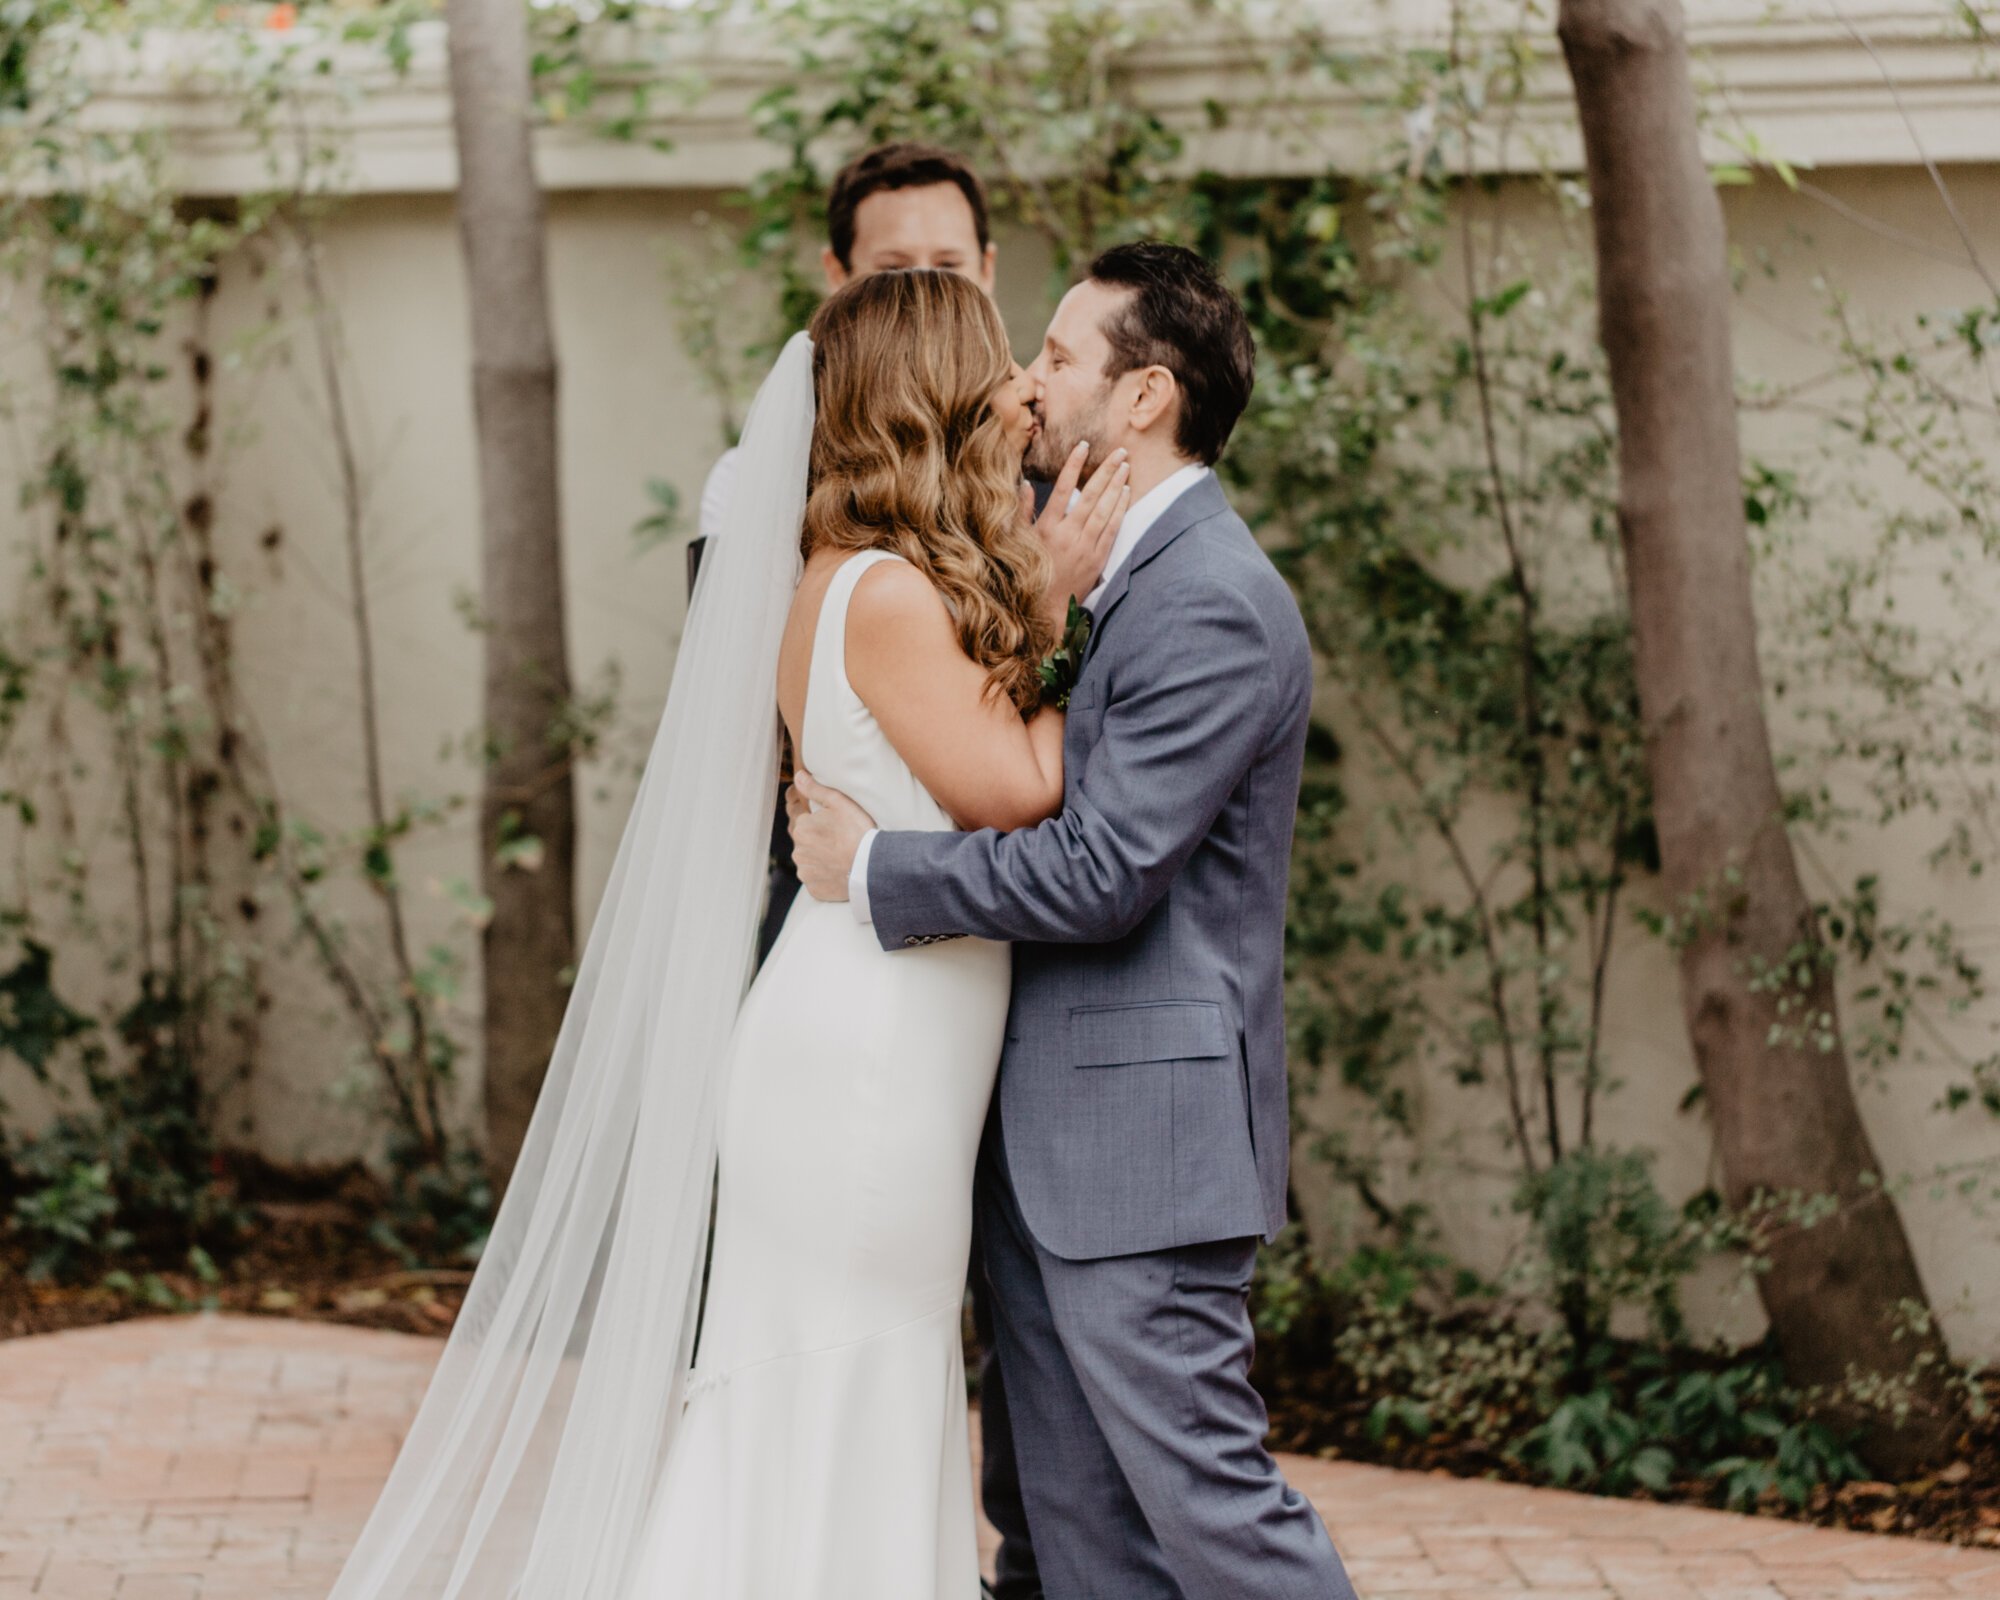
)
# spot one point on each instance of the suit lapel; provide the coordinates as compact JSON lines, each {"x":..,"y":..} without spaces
{"x":1201,"y":502}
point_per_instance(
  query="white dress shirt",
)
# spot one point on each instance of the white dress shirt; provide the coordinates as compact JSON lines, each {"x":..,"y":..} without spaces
{"x":1139,"y":520}
{"x":715,"y":492}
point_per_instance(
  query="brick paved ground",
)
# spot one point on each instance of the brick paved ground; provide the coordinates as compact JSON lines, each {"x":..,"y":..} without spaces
{"x":233,"y":1458}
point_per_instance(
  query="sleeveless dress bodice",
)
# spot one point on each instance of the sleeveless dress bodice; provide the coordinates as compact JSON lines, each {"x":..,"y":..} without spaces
{"x":840,"y":742}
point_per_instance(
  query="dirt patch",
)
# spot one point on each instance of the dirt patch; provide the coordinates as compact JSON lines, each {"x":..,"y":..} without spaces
{"x":308,"y":1252}
{"x":1319,"y":1415}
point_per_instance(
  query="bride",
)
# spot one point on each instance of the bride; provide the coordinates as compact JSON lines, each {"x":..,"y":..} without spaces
{"x":576,"y":1442}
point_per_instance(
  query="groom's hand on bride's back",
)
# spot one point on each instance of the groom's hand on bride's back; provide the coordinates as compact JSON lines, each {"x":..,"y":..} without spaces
{"x":827,"y":828}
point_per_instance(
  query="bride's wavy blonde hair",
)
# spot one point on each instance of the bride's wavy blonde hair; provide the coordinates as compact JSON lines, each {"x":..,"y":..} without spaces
{"x":909,"y":455}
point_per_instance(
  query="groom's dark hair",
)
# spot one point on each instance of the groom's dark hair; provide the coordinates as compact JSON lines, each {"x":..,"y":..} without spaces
{"x":1181,"y":316}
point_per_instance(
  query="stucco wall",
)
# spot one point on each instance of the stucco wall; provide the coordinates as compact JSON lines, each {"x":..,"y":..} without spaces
{"x":633,"y":408}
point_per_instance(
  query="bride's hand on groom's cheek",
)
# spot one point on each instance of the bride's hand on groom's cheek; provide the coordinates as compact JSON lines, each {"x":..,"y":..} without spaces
{"x":827,"y":828}
{"x":1079,"y":525}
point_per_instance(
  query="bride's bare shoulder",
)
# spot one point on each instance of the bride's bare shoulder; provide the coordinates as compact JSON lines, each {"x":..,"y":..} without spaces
{"x":896,"y":609}
{"x":888,"y":588}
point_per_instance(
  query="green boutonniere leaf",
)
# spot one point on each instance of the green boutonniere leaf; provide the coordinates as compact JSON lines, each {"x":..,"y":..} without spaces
{"x":1062,"y":666}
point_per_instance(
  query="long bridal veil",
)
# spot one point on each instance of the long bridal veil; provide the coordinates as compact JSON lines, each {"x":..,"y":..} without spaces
{"x":529,"y":1468}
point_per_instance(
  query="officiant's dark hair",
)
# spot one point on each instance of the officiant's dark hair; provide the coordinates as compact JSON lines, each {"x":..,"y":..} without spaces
{"x":1181,"y":316}
{"x":901,"y":165}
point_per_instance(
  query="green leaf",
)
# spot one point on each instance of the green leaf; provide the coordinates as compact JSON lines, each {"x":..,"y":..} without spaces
{"x":1504,"y":301}
{"x":1654,"y":1467}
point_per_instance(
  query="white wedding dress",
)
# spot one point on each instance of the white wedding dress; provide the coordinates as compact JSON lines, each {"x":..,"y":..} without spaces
{"x":823,"y":1453}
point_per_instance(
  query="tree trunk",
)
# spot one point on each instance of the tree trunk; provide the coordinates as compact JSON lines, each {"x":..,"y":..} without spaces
{"x":528,"y":800}
{"x":1782,"y":1106}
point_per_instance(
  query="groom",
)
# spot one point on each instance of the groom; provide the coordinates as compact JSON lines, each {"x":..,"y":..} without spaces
{"x":1139,"y":1143}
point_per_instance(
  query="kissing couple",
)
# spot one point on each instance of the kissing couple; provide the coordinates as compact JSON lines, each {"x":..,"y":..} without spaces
{"x":1047,"y":767}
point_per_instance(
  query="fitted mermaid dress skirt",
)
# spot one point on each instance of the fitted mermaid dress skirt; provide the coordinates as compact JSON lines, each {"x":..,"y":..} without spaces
{"x":823,"y":1453}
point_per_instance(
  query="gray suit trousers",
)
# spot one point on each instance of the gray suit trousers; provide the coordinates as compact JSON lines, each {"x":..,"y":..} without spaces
{"x":1139,"y":1438}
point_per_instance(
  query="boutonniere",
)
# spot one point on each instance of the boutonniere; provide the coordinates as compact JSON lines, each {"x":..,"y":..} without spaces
{"x":1062,"y":666}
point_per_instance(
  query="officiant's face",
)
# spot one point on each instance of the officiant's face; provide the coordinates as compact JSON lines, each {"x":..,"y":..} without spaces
{"x":930,"y":225}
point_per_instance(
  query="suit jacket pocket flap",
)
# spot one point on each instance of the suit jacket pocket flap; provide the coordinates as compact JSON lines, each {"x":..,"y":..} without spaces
{"x":1168,"y":1030}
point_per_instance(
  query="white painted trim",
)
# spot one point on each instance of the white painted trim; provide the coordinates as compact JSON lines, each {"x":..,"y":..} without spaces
{"x":1810,"y":90}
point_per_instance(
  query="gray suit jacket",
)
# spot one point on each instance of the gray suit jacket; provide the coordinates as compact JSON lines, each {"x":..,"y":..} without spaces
{"x":1142,"y":1086}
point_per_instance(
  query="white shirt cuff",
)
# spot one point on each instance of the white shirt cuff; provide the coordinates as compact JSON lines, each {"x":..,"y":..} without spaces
{"x":857,"y":877}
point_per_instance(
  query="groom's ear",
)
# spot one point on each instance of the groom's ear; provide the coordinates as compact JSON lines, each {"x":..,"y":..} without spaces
{"x":837,"y":272}
{"x":1156,"y":400}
